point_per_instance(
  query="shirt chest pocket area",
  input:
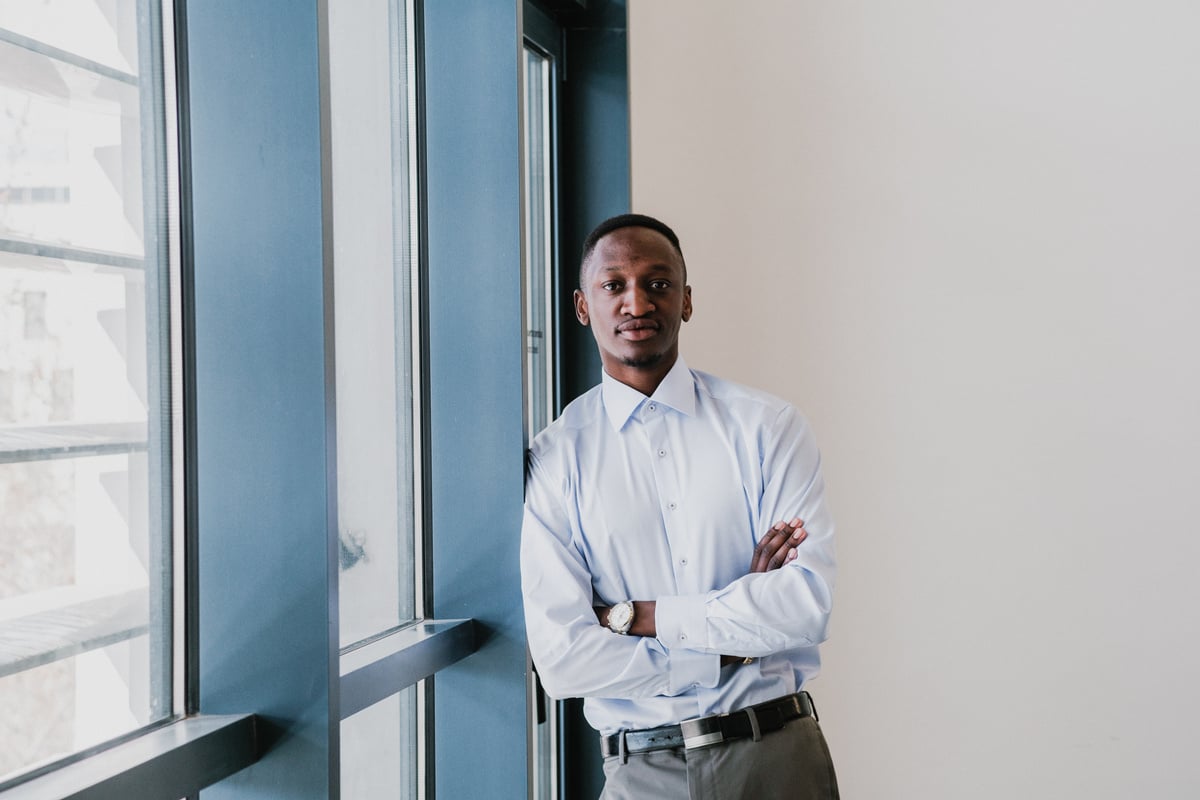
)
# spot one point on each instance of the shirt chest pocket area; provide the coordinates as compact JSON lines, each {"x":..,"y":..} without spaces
{"x":650,"y":525}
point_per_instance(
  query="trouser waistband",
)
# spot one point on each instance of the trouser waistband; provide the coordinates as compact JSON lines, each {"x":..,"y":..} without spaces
{"x":752,"y":721}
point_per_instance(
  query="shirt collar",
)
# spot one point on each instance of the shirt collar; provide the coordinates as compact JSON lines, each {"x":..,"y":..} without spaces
{"x":677,"y":390}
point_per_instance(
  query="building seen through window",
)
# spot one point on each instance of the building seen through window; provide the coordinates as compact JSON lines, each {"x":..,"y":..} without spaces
{"x":85,"y":380}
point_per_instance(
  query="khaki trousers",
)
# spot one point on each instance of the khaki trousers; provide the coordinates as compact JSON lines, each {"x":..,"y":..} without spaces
{"x":792,"y":763}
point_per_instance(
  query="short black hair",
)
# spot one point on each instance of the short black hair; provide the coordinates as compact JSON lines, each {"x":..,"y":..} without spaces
{"x":628,"y":221}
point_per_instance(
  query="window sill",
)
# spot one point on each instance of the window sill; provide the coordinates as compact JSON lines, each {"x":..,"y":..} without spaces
{"x":383,"y":666}
{"x":177,"y":759}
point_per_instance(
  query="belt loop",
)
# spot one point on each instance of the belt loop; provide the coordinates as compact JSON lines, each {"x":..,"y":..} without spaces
{"x":755,"y":731}
{"x":813,"y":706}
{"x":621,"y":750}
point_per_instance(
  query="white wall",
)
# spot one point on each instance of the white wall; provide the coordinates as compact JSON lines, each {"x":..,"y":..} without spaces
{"x":964,"y":237}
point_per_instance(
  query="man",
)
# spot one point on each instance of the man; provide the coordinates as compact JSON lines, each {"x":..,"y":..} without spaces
{"x":676,"y":554}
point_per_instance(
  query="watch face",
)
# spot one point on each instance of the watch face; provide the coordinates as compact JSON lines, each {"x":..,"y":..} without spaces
{"x":620,"y":617}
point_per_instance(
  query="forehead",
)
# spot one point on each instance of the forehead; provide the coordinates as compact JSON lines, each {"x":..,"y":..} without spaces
{"x":634,"y":247}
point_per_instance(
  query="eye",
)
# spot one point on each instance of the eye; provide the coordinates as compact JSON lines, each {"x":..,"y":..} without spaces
{"x":610,"y":286}
{"x":660,"y":285}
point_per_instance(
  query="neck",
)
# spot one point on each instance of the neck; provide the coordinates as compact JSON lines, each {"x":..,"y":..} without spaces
{"x":644,"y":379}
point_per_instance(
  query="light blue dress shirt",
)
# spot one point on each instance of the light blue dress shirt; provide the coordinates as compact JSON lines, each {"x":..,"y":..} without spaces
{"x":663,"y":498}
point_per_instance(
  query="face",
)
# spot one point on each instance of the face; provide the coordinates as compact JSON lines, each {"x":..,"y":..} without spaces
{"x":634,"y":299}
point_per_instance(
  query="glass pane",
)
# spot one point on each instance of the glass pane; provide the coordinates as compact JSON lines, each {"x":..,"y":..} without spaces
{"x":538,"y":242}
{"x":379,"y":749}
{"x":539,"y":355}
{"x":373,"y":328}
{"x":103,"y":31}
{"x":72,"y":171}
{"x":85,"y":387}
{"x":72,"y":344}
{"x":76,"y":576}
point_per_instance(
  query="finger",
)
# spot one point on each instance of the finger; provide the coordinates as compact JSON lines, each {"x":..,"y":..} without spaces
{"x":785,"y":552}
{"x":764,"y":542}
{"x":799,"y":534}
{"x":761,"y":551}
{"x":766,"y":548}
{"x":781,"y":555}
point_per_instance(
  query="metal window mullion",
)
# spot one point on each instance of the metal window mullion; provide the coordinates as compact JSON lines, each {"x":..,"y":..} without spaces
{"x":419,"y":303}
{"x":160,"y":472}
{"x":407,"y":367}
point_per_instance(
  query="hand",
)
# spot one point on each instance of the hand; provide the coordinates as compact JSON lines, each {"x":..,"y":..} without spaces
{"x":778,"y":546}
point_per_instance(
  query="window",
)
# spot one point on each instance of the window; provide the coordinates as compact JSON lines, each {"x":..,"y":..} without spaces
{"x":311,"y":499}
{"x":371,"y":109}
{"x":374,"y":256}
{"x":540,"y":366}
{"x":87,"y":435}
{"x":539,"y":239}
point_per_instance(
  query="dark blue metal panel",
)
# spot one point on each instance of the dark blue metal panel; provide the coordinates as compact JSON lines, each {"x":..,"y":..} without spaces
{"x":595,"y":185}
{"x":475,"y":375}
{"x":260,"y":388}
{"x":595,"y":166}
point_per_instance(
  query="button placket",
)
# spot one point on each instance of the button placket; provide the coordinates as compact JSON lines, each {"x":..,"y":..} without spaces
{"x":666,"y":479}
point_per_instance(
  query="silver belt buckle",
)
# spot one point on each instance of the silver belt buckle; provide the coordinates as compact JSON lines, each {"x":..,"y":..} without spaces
{"x":701,"y":731}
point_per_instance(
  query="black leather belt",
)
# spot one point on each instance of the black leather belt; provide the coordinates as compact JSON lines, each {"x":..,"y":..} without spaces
{"x":752,"y":721}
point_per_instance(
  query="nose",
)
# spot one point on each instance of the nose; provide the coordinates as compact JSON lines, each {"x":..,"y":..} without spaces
{"x":637,"y":302}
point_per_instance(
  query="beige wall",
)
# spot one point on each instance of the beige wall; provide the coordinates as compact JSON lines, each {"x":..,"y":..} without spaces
{"x":964,"y":237}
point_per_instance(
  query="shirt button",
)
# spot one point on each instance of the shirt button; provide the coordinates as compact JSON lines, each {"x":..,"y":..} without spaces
{"x":683,"y":637}
{"x":653,"y":407}
{"x":671,"y":506}
{"x":662,"y":453}
{"x":683,"y":561}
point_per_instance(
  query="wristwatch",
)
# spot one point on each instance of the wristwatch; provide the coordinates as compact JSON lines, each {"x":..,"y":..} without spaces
{"x":620,"y":617}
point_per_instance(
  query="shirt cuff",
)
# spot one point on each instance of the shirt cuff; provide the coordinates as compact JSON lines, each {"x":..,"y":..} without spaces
{"x":681,"y":621}
{"x":681,"y":624}
{"x":690,"y":669}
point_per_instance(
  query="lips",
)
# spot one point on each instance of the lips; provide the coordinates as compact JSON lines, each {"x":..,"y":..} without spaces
{"x":638,"y":329}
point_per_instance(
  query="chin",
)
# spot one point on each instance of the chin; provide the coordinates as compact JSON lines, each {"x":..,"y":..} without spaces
{"x":641,"y":362}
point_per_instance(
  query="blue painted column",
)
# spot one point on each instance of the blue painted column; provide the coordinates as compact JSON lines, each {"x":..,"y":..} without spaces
{"x":267,"y":632}
{"x":475,"y":383}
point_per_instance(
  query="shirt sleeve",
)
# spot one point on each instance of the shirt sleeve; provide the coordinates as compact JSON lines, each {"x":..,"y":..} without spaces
{"x":575,"y":655}
{"x":764,"y":613}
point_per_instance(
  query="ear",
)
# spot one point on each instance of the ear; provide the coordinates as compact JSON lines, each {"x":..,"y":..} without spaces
{"x":581,"y":309}
{"x":687,"y":303}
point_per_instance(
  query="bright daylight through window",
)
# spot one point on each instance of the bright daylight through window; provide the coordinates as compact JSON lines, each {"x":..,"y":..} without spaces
{"x":372,"y":109}
{"x":86,"y":392}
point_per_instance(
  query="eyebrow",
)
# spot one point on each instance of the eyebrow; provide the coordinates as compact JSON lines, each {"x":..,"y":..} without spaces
{"x":659,"y":267}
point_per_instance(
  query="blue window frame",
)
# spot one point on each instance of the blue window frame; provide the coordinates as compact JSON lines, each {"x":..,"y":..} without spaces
{"x":266,"y":683}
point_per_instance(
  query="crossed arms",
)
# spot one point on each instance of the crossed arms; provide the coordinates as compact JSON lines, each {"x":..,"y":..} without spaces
{"x":681,"y":641}
{"x":776,"y":548}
